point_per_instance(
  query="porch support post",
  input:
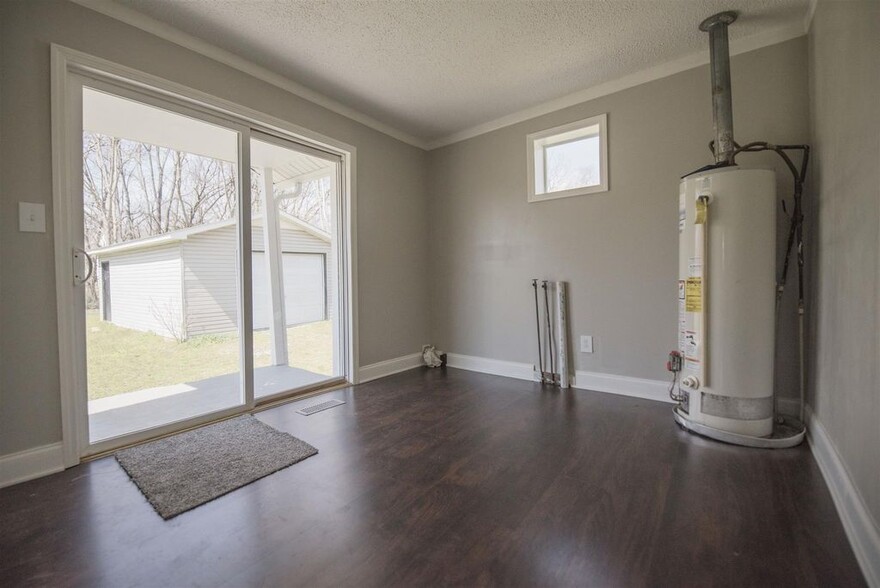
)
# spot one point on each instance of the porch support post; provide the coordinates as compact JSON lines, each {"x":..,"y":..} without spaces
{"x":272,"y":241}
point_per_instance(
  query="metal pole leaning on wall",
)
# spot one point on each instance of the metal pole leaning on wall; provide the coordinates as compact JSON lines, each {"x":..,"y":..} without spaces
{"x":562,"y":334}
{"x":538,"y":325}
{"x":552,"y":334}
{"x":547,"y":316}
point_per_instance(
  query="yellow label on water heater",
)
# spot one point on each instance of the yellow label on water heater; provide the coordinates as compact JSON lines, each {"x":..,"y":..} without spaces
{"x":701,"y":211}
{"x":693,"y":295}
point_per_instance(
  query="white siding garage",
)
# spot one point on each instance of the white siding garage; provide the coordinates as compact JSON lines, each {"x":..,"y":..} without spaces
{"x":146,"y":293}
{"x":185,"y":283}
{"x":210,"y":281}
{"x":305,"y":298}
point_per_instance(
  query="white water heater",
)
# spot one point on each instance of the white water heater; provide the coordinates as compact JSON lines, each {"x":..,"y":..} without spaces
{"x":728,"y":294}
{"x":726,"y":299}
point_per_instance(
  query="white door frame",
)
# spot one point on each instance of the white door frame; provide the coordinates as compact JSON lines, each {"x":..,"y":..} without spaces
{"x":67,"y":175}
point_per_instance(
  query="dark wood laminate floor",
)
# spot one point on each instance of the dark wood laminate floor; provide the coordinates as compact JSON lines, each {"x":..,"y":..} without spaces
{"x":437,"y":478}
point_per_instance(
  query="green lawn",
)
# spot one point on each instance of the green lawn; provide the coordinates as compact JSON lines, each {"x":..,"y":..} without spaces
{"x":123,"y":360}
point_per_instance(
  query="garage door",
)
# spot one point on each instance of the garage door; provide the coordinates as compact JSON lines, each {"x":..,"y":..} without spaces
{"x":304,"y":295}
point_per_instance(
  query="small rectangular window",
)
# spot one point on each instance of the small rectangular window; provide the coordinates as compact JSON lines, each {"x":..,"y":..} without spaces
{"x":569,"y":160}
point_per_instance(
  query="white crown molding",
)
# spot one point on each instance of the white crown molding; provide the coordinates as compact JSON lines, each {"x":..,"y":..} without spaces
{"x":374,"y":371}
{"x":160,"y":29}
{"x":738,"y":46}
{"x":31,"y":463}
{"x":860,"y":527}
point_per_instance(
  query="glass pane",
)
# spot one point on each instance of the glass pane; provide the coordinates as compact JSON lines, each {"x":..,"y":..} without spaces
{"x":573,"y":164}
{"x":159,"y":219}
{"x":294,"y":269}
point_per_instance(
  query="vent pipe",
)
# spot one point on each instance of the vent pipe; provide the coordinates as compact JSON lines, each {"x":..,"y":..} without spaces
{"x":719,"y":64}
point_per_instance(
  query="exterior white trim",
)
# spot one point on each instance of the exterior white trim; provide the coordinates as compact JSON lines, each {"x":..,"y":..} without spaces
{"x":164,"y":31}
{"x":861,"y":528}
{"x":170,"y":237}
{"x":184,"y":234}
{"x":31,"y":463}
{"x":380,"y":369}
{"x":698,"y":59}
{"x":622,"y":385}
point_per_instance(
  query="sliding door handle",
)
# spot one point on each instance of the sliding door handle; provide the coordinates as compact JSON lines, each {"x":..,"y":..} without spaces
{"x":78,"y":256}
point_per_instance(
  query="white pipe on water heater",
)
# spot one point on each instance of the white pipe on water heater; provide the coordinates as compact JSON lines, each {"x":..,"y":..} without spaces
{"x":701,"y":246}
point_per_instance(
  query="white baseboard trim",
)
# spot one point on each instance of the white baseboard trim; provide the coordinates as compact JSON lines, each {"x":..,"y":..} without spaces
{"x":622,"y":385}
{"x":861,"y":529}
{"x":597,"y":382}
{"x":30,"y":463}
{"x":388,"y":367}
{"x":496,"y":367}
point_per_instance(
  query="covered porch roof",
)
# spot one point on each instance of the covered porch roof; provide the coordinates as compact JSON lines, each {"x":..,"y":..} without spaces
{"x":114,"y":116}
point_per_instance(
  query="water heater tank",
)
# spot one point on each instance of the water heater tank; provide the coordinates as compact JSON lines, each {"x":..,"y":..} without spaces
{"x":726,"y":290}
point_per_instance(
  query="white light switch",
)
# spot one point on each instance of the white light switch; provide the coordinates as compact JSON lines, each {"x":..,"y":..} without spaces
{"x":586,"y":344}
{"x":31,"y":217}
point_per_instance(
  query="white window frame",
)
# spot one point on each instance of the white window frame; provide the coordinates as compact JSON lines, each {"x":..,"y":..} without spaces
{"x":536,"y":144}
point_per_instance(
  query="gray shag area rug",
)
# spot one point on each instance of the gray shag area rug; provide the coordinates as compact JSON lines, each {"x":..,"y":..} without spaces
{"x":186,"y":470}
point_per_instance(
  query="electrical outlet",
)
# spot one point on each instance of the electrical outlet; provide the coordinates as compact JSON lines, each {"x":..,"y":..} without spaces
{"x":586,"y":344}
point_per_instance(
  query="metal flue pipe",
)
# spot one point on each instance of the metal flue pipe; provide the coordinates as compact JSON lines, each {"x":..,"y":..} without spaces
{"x":719,"y":64}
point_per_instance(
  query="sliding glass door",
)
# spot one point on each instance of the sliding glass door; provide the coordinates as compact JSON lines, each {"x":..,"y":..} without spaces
{"x":160,"y":204}
{"x":207,"y":268}
{"x":295,"y":265}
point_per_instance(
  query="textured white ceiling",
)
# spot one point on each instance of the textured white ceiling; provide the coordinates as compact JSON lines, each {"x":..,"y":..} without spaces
{"x":432,"y":68}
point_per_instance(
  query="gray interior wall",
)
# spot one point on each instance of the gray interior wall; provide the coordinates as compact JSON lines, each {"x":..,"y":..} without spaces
{"x":392,"y":213}
{"x":617,"y":250}
{"x":844,"y":382}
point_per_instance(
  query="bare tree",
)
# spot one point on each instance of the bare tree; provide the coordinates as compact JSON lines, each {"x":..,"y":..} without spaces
{"x":311,"y":203}
{"x":564,"y":173}
{"x":134,"y":190}
{"x":172,"y":319}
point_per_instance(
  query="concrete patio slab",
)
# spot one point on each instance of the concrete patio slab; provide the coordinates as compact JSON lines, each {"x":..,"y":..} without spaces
{"x":144,"y":409}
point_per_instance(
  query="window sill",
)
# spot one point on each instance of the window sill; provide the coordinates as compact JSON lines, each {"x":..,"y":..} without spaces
{"x":568,"y":193}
